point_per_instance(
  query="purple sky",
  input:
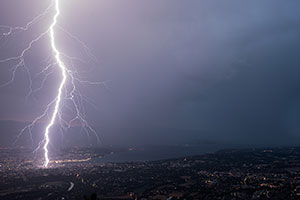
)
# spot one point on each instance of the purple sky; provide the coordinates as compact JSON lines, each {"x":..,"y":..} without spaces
{"x":178,"y":71}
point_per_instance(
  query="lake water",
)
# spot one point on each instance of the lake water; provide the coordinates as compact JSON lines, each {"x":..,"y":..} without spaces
{"x":157,"y":153}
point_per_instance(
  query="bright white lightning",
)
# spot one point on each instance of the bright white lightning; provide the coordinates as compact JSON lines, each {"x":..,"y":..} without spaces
{"x":68,"y":76}
{"x":63,"y":81}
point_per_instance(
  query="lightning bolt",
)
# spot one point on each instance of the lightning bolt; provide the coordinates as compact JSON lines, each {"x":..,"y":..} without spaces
{"x":66,"y":91}
{"x":63,"y":81}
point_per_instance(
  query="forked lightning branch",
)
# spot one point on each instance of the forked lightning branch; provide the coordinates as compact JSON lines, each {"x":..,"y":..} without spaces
{"x":68,"y":78}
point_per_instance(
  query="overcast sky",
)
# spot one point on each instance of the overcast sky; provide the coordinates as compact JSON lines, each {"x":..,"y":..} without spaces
{"x":177,"y":71}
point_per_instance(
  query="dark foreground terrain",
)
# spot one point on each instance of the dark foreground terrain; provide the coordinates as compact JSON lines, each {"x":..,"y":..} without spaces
{"x":229,"y":174}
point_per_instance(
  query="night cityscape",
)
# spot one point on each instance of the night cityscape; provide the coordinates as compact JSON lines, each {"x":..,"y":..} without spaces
{"x":158,"y":100}
{"x":272,"y":173}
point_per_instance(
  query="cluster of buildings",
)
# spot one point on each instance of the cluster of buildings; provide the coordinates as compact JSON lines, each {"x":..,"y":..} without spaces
{"x":225,"y":175}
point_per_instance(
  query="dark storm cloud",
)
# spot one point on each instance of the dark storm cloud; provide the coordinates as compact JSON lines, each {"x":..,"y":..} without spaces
{"x":222,"y":70}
